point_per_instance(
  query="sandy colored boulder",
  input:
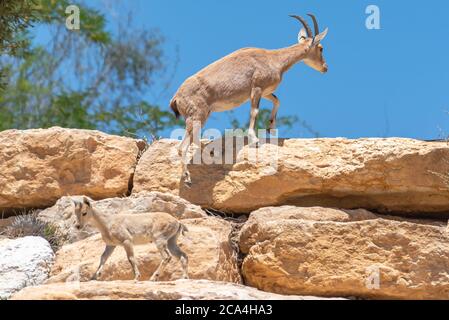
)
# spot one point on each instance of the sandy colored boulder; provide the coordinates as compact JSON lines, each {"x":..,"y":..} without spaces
{"x":40,"y":166}
{"x":130,"y":290}
{"x":324,"y":252}
{"x":385,"y":175}
{"x":207,"y":244}
{"x":159,"y":168}
{"x":61,"y":214}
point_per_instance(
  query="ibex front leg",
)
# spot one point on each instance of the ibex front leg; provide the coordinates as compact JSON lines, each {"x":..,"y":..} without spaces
{"x":276,"y":104}
{"x":104,"y":257}
{"x":256,"y":95}
{"x":129,"y":248}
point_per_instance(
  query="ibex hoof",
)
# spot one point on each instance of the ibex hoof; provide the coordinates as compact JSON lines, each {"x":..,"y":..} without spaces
{"x":253,"y":141}
{"x":137,"y":278}
{"x":254,"y":144}
{"x":187,"y":180}
{"x":188,"y":184}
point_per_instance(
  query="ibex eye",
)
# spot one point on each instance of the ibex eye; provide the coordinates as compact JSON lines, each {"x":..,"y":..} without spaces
{"x":84,"y":214}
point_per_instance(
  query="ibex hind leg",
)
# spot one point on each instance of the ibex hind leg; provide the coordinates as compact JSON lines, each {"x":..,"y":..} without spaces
{"x":276,"y":103}
{"x":166,"y":257}
{"x":183,"y":152}
{"x":176,"y":251}
{"x":192,"y":135}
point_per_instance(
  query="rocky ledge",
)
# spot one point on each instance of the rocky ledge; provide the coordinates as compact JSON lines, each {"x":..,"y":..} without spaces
{"x":130,"y":290}
{"x":327,"y":218}
{"x":385,"y":175}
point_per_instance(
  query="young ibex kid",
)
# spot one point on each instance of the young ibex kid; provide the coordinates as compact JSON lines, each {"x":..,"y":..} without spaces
{"x":127,"y":230}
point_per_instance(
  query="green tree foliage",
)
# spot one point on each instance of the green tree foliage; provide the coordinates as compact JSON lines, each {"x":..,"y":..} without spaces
{"x":15,"y":17}
{"x":263,"y":122}
{"x":89,"y":78}
{"x":53,"y":12}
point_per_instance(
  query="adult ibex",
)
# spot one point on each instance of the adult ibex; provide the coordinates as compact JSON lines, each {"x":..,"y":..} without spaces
{"x":247,"y":74}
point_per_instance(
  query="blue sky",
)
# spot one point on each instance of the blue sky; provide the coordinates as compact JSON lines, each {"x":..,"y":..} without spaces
{"x":388,"y":82}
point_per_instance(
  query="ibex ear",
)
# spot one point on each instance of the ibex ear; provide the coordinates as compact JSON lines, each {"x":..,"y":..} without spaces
{"x":302,"y":35}
{"x":86,"y":201}
{"x":320,"y":37}
{"x":76,"y":203}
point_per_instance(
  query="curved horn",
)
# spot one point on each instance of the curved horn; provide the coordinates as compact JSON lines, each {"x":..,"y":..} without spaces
{"x":315,"y":24}
{"x":306,"y":26}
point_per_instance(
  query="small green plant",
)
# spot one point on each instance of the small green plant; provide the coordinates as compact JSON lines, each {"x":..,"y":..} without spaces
{"x":25,"y":225}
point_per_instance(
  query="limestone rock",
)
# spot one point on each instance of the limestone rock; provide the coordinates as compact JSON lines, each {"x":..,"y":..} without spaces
{"x":159,"y":168}
{"x":40,"y":166}
{"x":327,"y":252}
{"x":23,"y":262}
{"x":61,"y":214}
{"x":386,"y":175}
{"x":207,"y":244}
{"x":130,"y":290}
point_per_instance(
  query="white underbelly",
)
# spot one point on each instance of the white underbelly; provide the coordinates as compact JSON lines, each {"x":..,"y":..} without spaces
{"x":226,"y":106}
